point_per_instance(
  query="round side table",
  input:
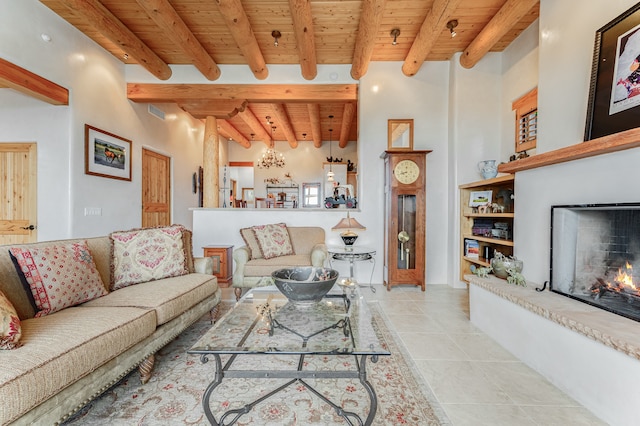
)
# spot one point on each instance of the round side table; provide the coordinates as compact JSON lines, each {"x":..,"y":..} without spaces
{"x":353,"y":254}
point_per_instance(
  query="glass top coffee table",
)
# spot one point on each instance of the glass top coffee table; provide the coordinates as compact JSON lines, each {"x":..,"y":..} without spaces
{"x":264,"y":324}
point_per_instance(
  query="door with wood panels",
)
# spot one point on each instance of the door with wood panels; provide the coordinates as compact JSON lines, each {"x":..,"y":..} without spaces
{"x":18,"y":193}
{"x":156,"y":189}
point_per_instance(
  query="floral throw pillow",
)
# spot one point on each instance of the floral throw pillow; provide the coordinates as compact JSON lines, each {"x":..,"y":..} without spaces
{"x":59,"y":276}
{"x":149,"y":254}
{"x":273,"y":240}
{"x":10,"y":330}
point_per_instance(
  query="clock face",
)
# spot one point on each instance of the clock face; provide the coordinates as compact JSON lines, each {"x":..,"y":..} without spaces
{"x":406,"y":171}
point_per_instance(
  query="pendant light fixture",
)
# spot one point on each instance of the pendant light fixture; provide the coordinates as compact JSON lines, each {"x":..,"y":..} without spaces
{"x":330,"y":174}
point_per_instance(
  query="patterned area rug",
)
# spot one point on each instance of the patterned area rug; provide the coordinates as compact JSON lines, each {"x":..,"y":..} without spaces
{"x":173,"y":395}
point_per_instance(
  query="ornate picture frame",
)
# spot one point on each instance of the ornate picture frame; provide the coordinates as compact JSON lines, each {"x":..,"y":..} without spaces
{"x":614,"y":92}
{"x":106,"y":155}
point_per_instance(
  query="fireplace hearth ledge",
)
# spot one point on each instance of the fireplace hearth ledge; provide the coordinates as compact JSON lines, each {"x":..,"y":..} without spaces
{"x":614,"y":331}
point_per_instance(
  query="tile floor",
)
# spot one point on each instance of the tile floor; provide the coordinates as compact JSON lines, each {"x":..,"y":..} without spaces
{"x":476,"y":381}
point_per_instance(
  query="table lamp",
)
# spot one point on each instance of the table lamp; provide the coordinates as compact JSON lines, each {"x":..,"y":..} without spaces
{"x":348,"y":236}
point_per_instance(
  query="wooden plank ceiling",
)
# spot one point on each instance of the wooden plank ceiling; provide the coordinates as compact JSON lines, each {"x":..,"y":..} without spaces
{"x":208,"y":33}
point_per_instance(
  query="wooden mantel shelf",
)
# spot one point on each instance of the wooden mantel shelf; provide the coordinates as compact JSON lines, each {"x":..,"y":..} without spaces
{"x":604,"y":145}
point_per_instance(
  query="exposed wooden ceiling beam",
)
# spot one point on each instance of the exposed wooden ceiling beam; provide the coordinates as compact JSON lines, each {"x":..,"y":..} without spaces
{"x":430,"y":29}
{"x":509,"y":15}
{"x":147,"y":92}
{"x":112,"y":28}
{"x":224,"y":108}
{"x":174,"y":28}
{"x":31,"y":84}
{"x":281,"y":115}
{"x":231,"y":132}
{"x":256,"y":127}
{"x":305,"y":37}
{"x":347,"y":119}
{"x":236,"y":20}
{"x":314,"y":119}
{"x":370,"y":19}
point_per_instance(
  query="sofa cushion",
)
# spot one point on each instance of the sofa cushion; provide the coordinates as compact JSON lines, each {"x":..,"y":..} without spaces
{"x":264,"y":267}
{"x":143,"y":255}
{"x":273,"y":240}
{"x":168,"y":297}
{"x":305,"y":238}
{"x":10,"y":329}
{"x":58,"y":275}
{"x":60,"y":348}
{"x":251,"y":241}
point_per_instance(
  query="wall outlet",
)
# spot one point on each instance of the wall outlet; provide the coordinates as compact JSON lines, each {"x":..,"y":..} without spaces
{"x":93,"y":211}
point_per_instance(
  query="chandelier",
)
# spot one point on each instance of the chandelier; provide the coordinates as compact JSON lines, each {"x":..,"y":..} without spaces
{"x":271,"y":157}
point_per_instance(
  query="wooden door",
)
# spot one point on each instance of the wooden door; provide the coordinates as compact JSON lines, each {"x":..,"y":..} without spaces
{"x":18,"y":189}
{"x":156,"y":189}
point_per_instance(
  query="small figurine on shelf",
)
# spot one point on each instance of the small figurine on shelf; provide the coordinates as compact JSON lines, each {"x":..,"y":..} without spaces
{"x":485,"y":208}
{"x":483,"y":272}
{"x":516,"y":277}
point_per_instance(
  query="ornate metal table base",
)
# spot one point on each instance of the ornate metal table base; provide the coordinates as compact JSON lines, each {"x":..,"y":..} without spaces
{"x":297,"y":376}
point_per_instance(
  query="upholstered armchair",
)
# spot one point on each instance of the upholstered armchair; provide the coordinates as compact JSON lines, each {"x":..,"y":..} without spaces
{"x":254,"y":263}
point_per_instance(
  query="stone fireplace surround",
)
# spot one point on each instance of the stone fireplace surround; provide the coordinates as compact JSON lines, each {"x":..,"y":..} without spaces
{"x":589,"y":353}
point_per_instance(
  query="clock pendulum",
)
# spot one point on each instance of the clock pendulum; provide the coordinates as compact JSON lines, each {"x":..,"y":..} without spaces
{"x":403,"y":236}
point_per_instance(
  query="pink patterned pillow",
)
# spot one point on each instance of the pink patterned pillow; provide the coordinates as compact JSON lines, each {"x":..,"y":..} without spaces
{"x":273,"y":240}
{"x":10,"y":330}
{"x":59,"y":275}
{"x":149,"y":254}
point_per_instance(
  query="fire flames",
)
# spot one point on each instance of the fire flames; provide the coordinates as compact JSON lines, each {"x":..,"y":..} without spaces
{"x":625,"y":279}
{"x":622,"y":282}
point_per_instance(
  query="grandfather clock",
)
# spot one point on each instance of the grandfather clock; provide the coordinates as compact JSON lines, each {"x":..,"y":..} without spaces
{"x":405,"y":215}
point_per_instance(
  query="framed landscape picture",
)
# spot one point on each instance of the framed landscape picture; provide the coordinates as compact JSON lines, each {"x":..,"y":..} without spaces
{"x":106,"y":154}
{"x":614,"y":93}
{"x":480,"y":198}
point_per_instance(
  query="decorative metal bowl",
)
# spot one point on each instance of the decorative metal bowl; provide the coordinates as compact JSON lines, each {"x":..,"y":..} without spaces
{"x":304,"y":285}
{"x":500,"y":267}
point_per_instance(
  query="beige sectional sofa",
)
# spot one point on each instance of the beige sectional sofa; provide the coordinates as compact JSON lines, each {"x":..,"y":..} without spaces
{"x":253,"y":270}
{"x":71,"y":356}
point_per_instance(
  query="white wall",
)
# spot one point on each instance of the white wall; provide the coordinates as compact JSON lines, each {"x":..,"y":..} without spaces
{"x":97,"y":89}
{"x":562,"y":103}
{"x":25,"y":119}
{"x":386,"y":93}
{"x":519,"y":76}
{"x":475,"y":116}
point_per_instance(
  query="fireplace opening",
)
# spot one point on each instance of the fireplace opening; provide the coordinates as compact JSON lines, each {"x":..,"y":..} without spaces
{"x":595,"y":255}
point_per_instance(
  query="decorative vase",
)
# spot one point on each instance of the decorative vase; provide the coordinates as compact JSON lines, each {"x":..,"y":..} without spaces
{"x":500,"y":265}
{"x":488,"y":169}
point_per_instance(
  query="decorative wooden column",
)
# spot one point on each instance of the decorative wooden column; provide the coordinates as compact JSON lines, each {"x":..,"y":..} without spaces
{"x":211,"y":164}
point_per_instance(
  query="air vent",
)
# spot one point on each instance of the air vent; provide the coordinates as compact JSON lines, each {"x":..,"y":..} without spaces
{"x":154,"y":110}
